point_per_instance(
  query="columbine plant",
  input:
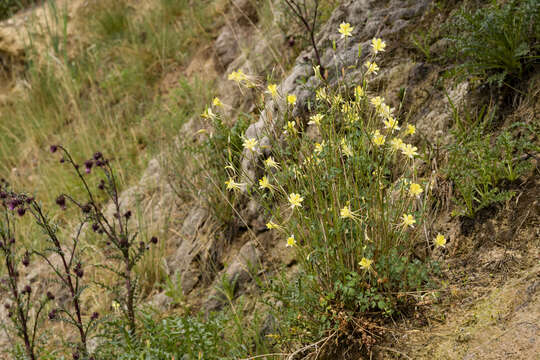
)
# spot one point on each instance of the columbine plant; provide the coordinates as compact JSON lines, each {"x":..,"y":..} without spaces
{"x":348,"y":204}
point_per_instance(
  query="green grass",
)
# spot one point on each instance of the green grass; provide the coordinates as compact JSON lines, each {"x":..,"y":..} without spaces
{"x":497,"y":43}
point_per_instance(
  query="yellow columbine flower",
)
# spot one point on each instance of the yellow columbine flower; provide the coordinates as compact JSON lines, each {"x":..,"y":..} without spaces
{"x":232,"y":185}
{"x":377,"y":45}
{"x":319,"y":147}
{"x":377,"y":101}
{"x":396,"y":144}
{"x":347,"y":213}
{"x":440,"y":240}
{"x":272,"y":90}
{"x":208,"y":114}
{"x":271,"y":163}
{"x":315,"y":119}
{"x":415,"y":189}
{"x":385,"y":110}
{"x":409,"y":150}
{"x":411,"y":129}
{"x":217,"y":102}
{"x":290,"y":127}
{"x":250,"y":144}
{"x":264,"y":183}
{"x":346,"y":148}
{"x":365,"y":263}
{"x":295,"y":200}
{"x":359,"y":91}
{"x":320,"y":94}
{"x":372,"y":67}
{"x":291,"y":99}
{"x":290,"y":241}
{"x":345,"y":29}
{"x":272,"y":225}
{"x":391,"y":124}
{"x":238,"y":76}
{"x":408,"y":220}
{"x":378,"y":138}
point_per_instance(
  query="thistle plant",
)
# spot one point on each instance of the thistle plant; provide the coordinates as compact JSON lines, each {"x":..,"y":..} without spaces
{"x":122,"y":245}
{"x":25,"y":308}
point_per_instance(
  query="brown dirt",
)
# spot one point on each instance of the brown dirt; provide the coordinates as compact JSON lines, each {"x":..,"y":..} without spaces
{"x":488,"y":304}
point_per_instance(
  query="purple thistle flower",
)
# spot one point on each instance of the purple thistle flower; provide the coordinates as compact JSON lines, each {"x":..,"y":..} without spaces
{"x":88,"y":166}
{"x":53,"y":148}
{"x":21,"y":211}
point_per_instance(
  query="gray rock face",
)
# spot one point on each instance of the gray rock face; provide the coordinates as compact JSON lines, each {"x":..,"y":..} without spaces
{"x":190,"y":247}
{"x":238,"y":274}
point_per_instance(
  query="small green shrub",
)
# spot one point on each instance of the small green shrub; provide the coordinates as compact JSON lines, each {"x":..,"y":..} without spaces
{"x":498,"y":43}
{"x":479,"y":162}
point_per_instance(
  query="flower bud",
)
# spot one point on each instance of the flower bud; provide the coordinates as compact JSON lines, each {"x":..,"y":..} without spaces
{"x":27,"y":290}
{"x":88,"y":166}
{"x":21,"y":211}
{"x":53,"y":314}
{"x":86,"y":208}
{"x":154,"y":240}
{"x":61,"y":201}
{"x":50,"y":295}
{"x":53,"y":148}
{"x":94,"y":316}
{"x":26,"y":259}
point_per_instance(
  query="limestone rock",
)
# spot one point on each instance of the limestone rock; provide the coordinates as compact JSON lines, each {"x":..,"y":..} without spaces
{"x":238,"y":273}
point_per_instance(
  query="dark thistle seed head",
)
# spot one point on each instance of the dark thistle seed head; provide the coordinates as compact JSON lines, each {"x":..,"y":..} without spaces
{"x":7,"y":306}
{"x":62,"y":160}
{"x":101,"y":185}
{"x":3,"y":195}
{"x":53,"y":148}
{"x":12,"y":241}
{"x":88,"y":166}
{"x":27,"y":290}
{"x":86,"y":208}
{"x":21,"y":211}
{"x":26,"y":259}
{"x":154,"y":240}
{"x":78,"y":270}
{"x":95,"y":227}
{"x":100,"y":163}
{"x":61,"y":201}
{"x":124,"y":242}
{"x":50,"y":295}
{"x":30,"y":199}
{"x":142,"y":245}
{"x":98,"y":155}
{"x":52,"y":314}
{"x":76,"y":355}
{"x":94,"y":316}
{"x":117,"y":215}
{"x":127,"y":215}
